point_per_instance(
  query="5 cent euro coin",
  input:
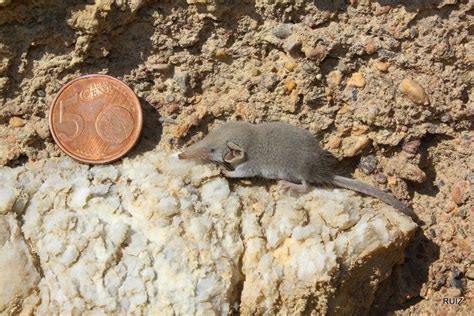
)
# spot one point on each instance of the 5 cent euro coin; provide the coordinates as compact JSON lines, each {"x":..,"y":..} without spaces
{"x":96,"y":119}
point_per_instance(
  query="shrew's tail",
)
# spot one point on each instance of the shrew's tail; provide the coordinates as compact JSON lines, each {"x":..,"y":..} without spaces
{"x":370,"y":190}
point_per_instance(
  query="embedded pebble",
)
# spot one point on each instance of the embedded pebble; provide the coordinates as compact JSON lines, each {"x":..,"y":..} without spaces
{"x":40,"y":93}
{"x":380,"y":178}
{"x":221,"y":53}
{"x":381,"y":66}
{"x":368,"y":164}
{"x":405,"y":168}
{"x":255,"y":72}
{"x":392,"y":180}
{"x":371,"y":47}
{"x":292,"y":45}
{"x":315,"y":53}
{"x":414,"y":91}
{"x":445,"y":118}
{"x":290,"y":85}
{"x":282,"y":31}
{"x":459,"y":192}
{"x":253,"y":24}
{"x":411,"y":146}
{"x":353,"y":145}
{"x":413,"y":173}
{"x":334,"y":142}
{"x":356,"y":80}
{"x":182,"y":79}
{"x":380,"y":10}
{"x":294,"y":98}
{"x":290,"y":66}
{"x":17,"y":122}
{"x":269,"y":81}
{"x":334,"y":78}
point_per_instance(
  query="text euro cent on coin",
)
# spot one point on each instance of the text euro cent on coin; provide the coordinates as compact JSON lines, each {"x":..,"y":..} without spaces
{"x":96,"y":119}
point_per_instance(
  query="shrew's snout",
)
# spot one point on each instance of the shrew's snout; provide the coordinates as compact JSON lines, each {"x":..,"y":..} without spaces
{"x":194,"y":153}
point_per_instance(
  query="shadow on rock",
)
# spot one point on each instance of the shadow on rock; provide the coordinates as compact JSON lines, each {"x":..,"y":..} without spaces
{"x":402,"y":289}
{"x":151,"y":131}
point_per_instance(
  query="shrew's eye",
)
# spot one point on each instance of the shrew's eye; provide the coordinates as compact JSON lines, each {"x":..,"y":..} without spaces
{"x":212,"y":150}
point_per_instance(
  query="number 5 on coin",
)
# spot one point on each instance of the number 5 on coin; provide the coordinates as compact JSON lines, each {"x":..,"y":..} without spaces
{"x":70,"y":124}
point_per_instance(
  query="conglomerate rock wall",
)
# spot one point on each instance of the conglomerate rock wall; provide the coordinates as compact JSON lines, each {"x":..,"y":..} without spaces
{"x":385,"y":84}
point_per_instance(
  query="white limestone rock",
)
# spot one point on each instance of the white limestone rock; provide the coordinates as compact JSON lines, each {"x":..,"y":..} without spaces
{"x":157,"y":234}
{"x":18,"y":275}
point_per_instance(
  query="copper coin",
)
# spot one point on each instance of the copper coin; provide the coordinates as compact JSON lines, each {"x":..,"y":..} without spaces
{"x":96,"y":119}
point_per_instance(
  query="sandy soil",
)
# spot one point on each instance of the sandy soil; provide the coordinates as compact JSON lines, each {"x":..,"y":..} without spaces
{"x":386,"y":85}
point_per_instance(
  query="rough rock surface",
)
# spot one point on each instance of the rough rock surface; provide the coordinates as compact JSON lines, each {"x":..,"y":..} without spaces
{"x":19,"y":277}
{"x":156,"y":234}
{"x":386,"y":85}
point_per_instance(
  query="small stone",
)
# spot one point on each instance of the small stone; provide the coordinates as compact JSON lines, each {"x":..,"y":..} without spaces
{"x":182,"y":79}
{"x":334,"y":142}
{"x":282,"y":31}
{"x":380,"y":10}
{"x":269,"y":81}
{"x":353,"y":145}
{"x":413,"y":173}
{"x":290,"y":66}
{"x":414,"y":91}
{"x":450,"y":206}
{"x":290,"y":85}
{"x":292,"y":45}
{"x":40,"y":93}
{"x":381,"y":66}
{"x":334,"y":78}
{"x":17,"y":122}
{"x":459,"y":192}
{"x":315,"y":53}
{"x":343,"y":110}
{"x":462,"y":212}
{"x":11,"y":139}
{"x":173,"y":108}
{"x":181,"y":130}
{"x":359,"y":130}
{"x":253,"y":24}
{"x":368,"y":164}
{"x":357,"y":80}
{"x":308,"y":68}
{"x":445,"y":118}
{"x":194,"y":120}
{"x":411,"y":146}
{"x":221,"y":53}
{"x":255,"y":72}
{"x":392,"y":180}
{"x":294,"y":98}
{"x":371,"y":47}
{"x":319,"y":77}
{"x":380,"y":178}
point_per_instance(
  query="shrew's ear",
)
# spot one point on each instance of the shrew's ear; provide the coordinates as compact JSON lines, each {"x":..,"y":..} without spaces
{"x":234,"y":153}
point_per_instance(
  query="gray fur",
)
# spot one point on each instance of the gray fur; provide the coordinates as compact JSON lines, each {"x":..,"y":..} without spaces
{"x":277,"y":150}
